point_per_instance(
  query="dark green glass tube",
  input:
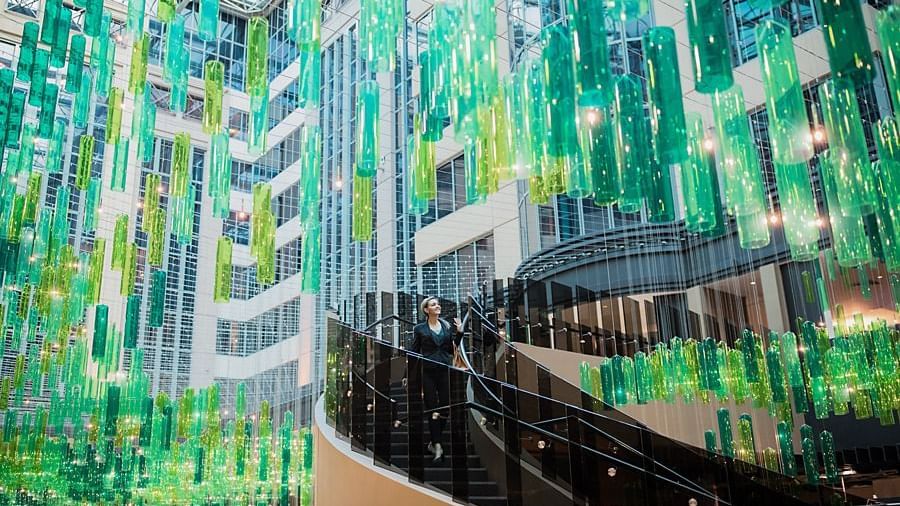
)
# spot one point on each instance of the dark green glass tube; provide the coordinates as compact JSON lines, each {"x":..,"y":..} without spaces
{"x":49,"y":21}
{"x":48,"y":111}
{"x":132,"y":321}
{"x":38,"y":77}
{"x":562,"y":138}
{"x":798,"y":210}
{"x":93,"y":19}
{"x":61,"y":39}
{"x":91,"y":205}
{"x":76,"y":64}
{"x":82,"y":103}
{"x":786,"y":449}
{"x":658,"y":192}
{"x":846,"y":39}
{"x":174,"y":48}
{"x":710,"y":50}
{"x":27,"y":51}
{"x":726,"y":436}
{"x":697,"y":180}
{"x":14,"y":120}
{"x":667,"y":121}
{"x":367,"y":114}
{"x":810,"y":464}
{"x":789,"y":130}
{"x":887,"y":22}
{"x":101,"y":324}
{"x":599,"y":154}
{"x":157,"y":298}
{"x":593,"y":77}
{"x":632,"y":149}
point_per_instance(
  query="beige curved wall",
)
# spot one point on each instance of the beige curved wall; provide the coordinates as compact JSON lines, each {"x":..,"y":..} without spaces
{"x":680,"y":421}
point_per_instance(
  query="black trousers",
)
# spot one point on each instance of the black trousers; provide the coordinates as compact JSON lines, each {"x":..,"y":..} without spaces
{"x":436,"y":388}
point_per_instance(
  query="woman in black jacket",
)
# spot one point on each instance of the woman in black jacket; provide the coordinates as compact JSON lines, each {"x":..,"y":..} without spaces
{"x":436,"y":340}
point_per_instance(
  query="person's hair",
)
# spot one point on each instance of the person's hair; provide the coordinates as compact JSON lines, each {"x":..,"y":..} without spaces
{"x":425,"y":302}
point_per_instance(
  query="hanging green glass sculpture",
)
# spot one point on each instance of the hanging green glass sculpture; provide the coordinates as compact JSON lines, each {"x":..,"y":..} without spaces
{"x":667,"y":122}
{"x":367,"y":140}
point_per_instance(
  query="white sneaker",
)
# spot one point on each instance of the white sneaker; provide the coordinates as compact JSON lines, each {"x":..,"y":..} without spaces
{"x":438,"y":452}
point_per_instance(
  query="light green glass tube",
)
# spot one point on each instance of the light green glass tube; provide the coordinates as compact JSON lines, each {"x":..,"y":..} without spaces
{"x":156,"y":236}
{"x":886,"y":171}
{"x":126,"y":285}
{"x":593,"y":77}
{"x":85,"y":161}
{"x":846,"y":39}
{"x":26,"y":152}
{"x":157,"y":298}
{"x":137,"y":75}
{"x":181,"y":156}
{"x":120,"y":165}
{"x":599,"y":153}
{"x":134,"y":22}
{"x":710,"y":50}
{"x":798,"y":210}
{"x":262,"y":203}
{"x":789,"y":130}
{"x":105,"y":72}
{"x":91,"y":205}
{"x":75,"y":69}
{"x":214,"y":82}
{"x":32,"y":198}
{"x":222,"y":288}
{"x":257,"y":56}
{"x":257,"y":138}
{"x":849,"y":239}
{"x":310,"y":259}
{"x":310,"y":175}
{"x":414,"y":204}
{"x":114,"y":115}
{"x":667,"y":121}
{"x":208,"y":20}
{"x":747,"y":445}
{"x":165,"y":10}
{"x":887,"y":23}
{"x":183,"y":216}
{"x":148,"y":126}
{"x":179,"y":92}
{"x":425,"y":172}
{"x":265,"y":267}
{"x":310,"y":73}
{"x":120,"y":243}
{"x":658,"y":192}
{"x":362,"y":208}
{"x":305,"y":22}
{"x":853,"y":176}
{"x":82,"y":102}
{"x":632,"y":150}
{"x":152,"y":189}
{"x":367,"y":114}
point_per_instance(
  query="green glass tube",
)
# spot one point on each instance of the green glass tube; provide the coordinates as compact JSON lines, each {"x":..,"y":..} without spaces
{"x":265,"y":267}
{"x":120,"y":243}
{"x":431,"y":69}
{"x":257,"y":56}
{"x":849,"y":239}
{"x":137,"y":75}
{"x":152,"y":189}
{"x":708,"y":39}
{"x":667,"y":122}
{"x":746,"y":444}
{"x":726,"y":436}
{"x":85,"y":162}
{"x":101,"y":327}
{"x":887,"y":23}
{"x":38,"y":77}
{"x":179,"y":92}
{"x":632,"y":150}
{"x":148,"y":125}
{"x":165,"y":10}
{"x":14,"y":120}
{"x":367,"y":114}
{"x":798,"y":210}
{"x":786,"y":448}
{"x":126,"y":285}
{"x":32,"y":197}
{"x":132,"y":321}
{"x":625,"y":10}
{"x":560,"y":118}
{"x":362,"y":207}
{"x":208,"y":20}
{"x":425,"y":172}
{"x":157,"y":298}
{"x":27,"y":51}
{"x":310,"y":71}
{"x":174,"y":48}
{"x":49,"y":20}
{"x":91,"y":205}
{"x":120,"y":165}
{"x":607,"y":382}
{"x":831,"y":472}
{"x":82,"y":103}
{"x":181,"y":155}
{"x":105,"y":72}
{"x":60,"y":44}
{"x":99,"y":44}
{"x":846,"y":39}
{"x":709,"y":438}
{"x":697,"y":179}
{"x":214,"y":82}
{"x":95,"y":274}
{"x":810,"y":464}
{"x":658,"y":192}
{"x":26,"y":152}
{"x":134,"y":22}
{"x":593,"y":77}
{"x":596,"y":128}
{"x":48,"y":111}
{"x":262,"y":203}
{"x":93,"y":19}
{"x":222,"y":288}
{"x":75,"y":69}
{"x":305,"y":22}
{"x":853,"y":176}
{"x":257,"y":138}
{"x":789,"y":131}
{"x":156,"y":232}
{"x":310,"y":174}
{"x":114,"y":115}
{"x":310,"y":260}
